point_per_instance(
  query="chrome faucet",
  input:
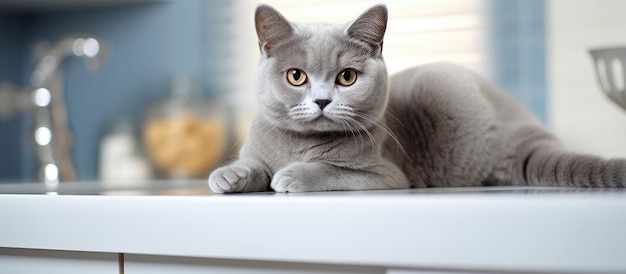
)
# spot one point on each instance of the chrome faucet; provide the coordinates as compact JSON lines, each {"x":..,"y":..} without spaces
{"x":52,"y":137}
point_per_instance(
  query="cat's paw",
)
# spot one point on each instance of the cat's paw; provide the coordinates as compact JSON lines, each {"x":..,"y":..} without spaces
{"x":291,"y":179}
{"x":229,"y":179}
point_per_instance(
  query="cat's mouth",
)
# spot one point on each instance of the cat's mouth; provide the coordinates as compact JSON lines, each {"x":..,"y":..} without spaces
{"x":331,"y":121}
{"x":317,"y":121}
{"x":320,"y":118}
{"x":324,"y":123}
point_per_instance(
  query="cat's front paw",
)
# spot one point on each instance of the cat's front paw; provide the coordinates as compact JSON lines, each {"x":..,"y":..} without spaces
{"x":292,"y":179}
{"x":229,"y":179}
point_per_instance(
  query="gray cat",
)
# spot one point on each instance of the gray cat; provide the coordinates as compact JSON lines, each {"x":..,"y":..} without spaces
{"x":331,"y":119}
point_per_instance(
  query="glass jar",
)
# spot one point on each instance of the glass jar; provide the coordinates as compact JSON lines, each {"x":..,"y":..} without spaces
{"x":185,"y":137}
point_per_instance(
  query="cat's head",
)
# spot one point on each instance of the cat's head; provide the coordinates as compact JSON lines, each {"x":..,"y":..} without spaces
{"x":321,"y":77}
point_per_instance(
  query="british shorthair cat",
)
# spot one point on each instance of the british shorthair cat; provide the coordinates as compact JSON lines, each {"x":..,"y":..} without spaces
{"x":331,"y":119}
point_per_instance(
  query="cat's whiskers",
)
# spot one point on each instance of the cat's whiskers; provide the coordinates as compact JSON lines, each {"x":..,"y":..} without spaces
{"x":386,"y":130}
{"x":347,"y":111}
{"x":394,"y":115}
{"x":345,"y":125}
{"x":344,"y":113}
{"x":363,"y":127}
{"x":302,"y":112}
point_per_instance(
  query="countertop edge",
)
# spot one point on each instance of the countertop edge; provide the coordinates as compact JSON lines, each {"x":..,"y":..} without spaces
{"x":482,"y":231}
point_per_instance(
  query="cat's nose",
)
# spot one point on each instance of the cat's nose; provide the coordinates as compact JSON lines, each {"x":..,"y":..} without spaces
{"x":322,"y":103}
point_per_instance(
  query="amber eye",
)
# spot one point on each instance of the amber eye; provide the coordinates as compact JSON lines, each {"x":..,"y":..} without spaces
{"x":296,"y":77}
{"x":346,"y":77}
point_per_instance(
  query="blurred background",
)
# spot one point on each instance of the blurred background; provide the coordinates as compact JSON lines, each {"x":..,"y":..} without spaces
{"x":127,"y":90}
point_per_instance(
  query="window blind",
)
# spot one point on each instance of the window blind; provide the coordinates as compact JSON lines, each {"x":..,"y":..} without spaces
{"x":418,"y":32}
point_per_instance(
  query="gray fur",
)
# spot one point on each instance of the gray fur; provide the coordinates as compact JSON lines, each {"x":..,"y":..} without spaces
{"x":434,"y":125}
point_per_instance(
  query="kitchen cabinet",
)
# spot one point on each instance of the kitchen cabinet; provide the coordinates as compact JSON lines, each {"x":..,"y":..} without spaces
{"x":144,"y":264}
{"x":54,"y":261}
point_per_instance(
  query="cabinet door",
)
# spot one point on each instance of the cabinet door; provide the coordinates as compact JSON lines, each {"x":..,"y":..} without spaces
{"x":38,"y":261}
{"x":145,"y":264}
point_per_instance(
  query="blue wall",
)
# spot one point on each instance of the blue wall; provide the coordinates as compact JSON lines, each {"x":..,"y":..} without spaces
{"x":147,"y":44}
{"x":517,"y":40}
{"x":11,"y":57}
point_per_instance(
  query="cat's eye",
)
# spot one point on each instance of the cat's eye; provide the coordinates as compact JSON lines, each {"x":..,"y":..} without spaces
{"x":346,"y":77}
{"x":296,"y":77}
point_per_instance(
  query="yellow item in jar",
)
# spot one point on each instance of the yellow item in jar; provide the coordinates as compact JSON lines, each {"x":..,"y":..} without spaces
{"x":185,"y":144}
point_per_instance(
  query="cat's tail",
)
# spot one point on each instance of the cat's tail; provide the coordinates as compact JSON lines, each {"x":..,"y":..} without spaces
{"x":549,"y":166}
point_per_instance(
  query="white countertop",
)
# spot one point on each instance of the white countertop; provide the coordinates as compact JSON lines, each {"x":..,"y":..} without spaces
{"x":503,"y":228}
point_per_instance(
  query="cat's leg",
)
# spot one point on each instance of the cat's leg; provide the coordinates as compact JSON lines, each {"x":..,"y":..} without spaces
{"x":319,"y":176}
{"x":244,"y":175}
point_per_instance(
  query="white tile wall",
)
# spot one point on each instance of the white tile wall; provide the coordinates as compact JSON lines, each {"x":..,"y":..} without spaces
{"x":579,"y":114}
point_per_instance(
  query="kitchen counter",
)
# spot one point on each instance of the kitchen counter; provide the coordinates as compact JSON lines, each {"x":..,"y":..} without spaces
{"x":398,"y":231}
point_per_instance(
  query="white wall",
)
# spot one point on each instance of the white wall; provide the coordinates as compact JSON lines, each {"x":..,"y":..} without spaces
{"x":579,"y":113}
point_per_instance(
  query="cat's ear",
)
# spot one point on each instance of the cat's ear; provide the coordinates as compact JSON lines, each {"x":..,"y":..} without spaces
{"x":271,"y":27}
{"x":370,"y":27}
